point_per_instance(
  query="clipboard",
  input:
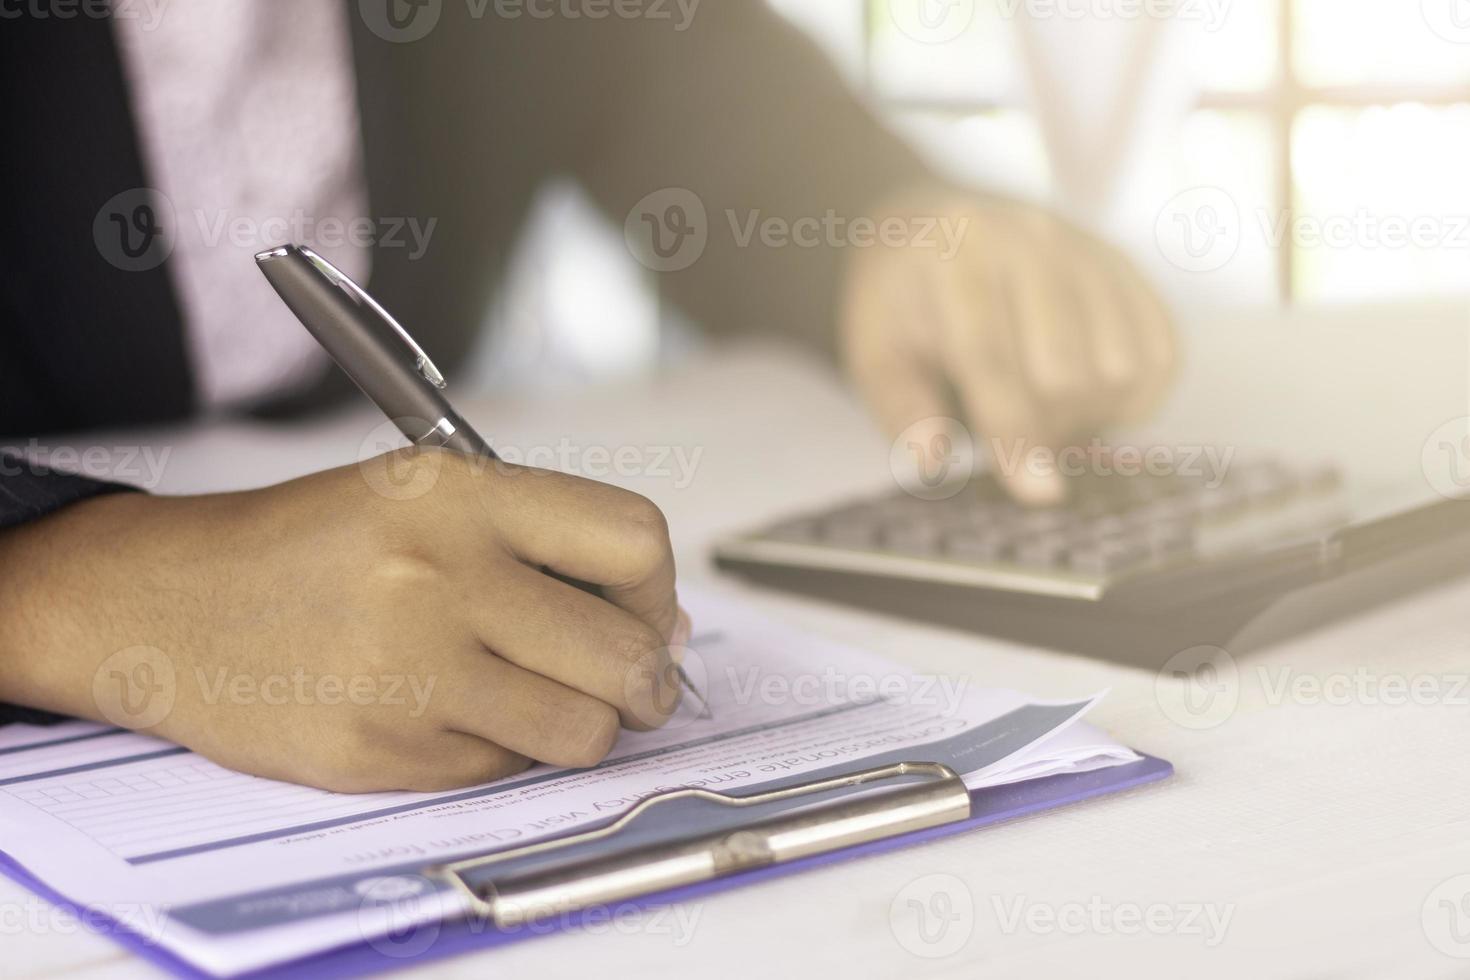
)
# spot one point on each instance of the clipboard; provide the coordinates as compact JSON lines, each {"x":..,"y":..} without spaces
{"x":708,"y":835}
{"x":542,"y":888}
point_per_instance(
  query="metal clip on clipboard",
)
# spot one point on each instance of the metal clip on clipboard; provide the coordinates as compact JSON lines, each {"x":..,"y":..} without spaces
{"x":551,"y":877}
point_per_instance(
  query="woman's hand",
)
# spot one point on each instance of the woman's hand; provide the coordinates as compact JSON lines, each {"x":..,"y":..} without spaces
{"x":384,"y":626}
{"x":1042,"y":334}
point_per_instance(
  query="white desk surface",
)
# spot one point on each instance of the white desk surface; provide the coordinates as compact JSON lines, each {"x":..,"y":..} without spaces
{"x":1320,"y":829}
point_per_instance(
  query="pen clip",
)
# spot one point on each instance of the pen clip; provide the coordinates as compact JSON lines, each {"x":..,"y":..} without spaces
{"x":422,"y":364}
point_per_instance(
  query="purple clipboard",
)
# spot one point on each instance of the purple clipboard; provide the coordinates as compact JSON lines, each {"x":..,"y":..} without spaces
{"x":988,"y":806}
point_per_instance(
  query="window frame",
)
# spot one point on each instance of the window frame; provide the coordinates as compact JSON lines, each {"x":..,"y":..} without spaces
{"x":1287,"y":98}
{"x":1281,"y":102}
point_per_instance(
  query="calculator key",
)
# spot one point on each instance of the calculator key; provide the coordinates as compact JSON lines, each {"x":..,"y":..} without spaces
{"x":1265,"y":483}
{"x":802,"y":529}
{"x":1045,"y":521}
{"x":851,"y":531}
{"x":920,"y":538}
{"x":1107,"y":557}
{"x":977,"y":545}
{"x":1110,"y":525}
{"x":1043,"y":550}
{"x":1169,"y":540}
{"x":1222,"y":501}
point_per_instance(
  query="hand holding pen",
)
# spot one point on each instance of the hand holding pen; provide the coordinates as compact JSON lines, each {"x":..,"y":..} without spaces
{"x":384,"y":360}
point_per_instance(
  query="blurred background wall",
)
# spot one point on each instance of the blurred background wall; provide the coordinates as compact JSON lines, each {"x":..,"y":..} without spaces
{"x":1293,"y":170}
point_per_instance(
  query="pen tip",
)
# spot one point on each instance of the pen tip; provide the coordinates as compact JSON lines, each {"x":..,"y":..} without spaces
{"x":704,"y":709}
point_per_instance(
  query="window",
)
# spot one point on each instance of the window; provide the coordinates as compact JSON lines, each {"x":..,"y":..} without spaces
{"x":1337,"y":130}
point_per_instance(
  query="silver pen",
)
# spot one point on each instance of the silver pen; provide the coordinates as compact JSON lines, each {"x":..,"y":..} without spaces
{"x":373,"y":349}
{"x":380,"y":357}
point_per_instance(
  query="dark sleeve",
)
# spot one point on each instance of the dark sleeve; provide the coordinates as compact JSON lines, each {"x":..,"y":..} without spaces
{"x":738,"y":107}
{"x":746,"y":112}
{"x":28,"y":492}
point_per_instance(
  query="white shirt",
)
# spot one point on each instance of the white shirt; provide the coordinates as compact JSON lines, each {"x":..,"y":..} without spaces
{"x":249,"y":129}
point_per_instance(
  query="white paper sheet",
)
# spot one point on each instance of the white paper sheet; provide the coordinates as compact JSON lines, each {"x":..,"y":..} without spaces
{"x":234,"y":873}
